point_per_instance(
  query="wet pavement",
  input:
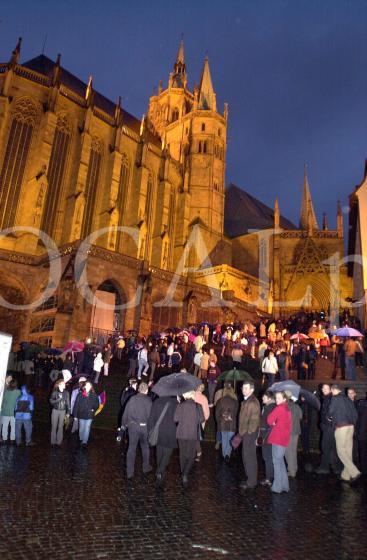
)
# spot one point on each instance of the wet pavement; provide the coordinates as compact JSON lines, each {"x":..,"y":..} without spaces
{"x":74,"y":503}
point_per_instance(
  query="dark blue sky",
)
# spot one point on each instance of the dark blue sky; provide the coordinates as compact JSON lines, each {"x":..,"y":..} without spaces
{"x":294,"y":73}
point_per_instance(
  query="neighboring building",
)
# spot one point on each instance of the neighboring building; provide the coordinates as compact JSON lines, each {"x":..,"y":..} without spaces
{"x":72,"y":163}
{"x":357,"y":248}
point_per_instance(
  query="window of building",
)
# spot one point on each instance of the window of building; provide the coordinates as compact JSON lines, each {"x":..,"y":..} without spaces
{"x":21,"y":131}
{"x":44,"y":324}
{"x":94,"y":169}
{"x":50,"y":303}
{"x":202,"y":127}
{"x":204,"y":147}
{"x":175,"y":115}
{"x":219,"y":132}
{"x":55,"y":174}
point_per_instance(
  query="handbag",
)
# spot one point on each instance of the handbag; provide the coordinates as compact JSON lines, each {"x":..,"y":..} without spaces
{"x":236,"y":441}
{"x":153,"y":434}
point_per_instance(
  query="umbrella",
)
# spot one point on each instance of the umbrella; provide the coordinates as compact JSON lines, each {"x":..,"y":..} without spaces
{"x":347,"y":331}
{"x":102,"y":402}
{"x":235,"y":375}
{"x":74,"y":346}
{"x":288,"y":385}
{"x":310,"y":398}
{"x":52,"y":351}
{"x":316,"y":335}
{"x":176,"y":384}
{"x":299,"y":336}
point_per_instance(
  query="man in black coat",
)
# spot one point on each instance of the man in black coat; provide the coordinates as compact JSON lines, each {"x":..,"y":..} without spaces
{"x":167,"y":441}
{"x":136,"y":417}
{"x":328,"y":447}
{"x":362,"y":433}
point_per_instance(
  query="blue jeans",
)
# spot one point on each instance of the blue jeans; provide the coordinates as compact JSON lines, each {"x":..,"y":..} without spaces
{"x":84,"y":429}
{"x":226,"y":443}
{"x":271,"y":378}
{"x":143,"y":367}
{"x":27,"y":424}
{"x":280,"y":483}
{"x":350,"y":368}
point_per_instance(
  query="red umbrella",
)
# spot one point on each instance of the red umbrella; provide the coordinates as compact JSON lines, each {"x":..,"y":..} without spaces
{"x":299,"y":336}
{"x":74,"y":346}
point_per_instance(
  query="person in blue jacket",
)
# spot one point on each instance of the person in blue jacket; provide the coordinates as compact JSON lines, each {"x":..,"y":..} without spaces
{"x":24,"y":407}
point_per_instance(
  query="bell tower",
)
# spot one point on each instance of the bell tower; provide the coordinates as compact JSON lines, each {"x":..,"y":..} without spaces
{"x":193,"y":134}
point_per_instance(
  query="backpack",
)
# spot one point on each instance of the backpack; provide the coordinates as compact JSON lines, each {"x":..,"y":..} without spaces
{"x":227,"y":415}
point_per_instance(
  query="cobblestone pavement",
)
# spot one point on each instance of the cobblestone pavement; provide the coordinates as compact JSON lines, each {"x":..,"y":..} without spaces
{"x":74,"y":503}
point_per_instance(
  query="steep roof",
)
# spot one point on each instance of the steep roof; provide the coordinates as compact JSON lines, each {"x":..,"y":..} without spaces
{"x":307,"y":217}
{"x":45,"y":66}
{"x":243,"y":212}
{"x":206,"y":91}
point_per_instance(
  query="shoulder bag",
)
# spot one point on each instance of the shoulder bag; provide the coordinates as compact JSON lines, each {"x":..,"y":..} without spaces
{"x":153,"y":434}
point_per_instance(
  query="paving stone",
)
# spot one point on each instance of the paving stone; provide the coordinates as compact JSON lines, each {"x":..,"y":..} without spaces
{"x":71,"y":503}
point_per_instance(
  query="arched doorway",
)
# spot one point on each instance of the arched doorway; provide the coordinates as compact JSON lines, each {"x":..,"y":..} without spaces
{"x":311,"y":293}
{"x":107,"y":316}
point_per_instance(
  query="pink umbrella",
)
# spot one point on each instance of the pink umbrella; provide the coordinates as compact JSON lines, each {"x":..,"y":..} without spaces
{"x":299,"y":336}
{"x":74,"y":346}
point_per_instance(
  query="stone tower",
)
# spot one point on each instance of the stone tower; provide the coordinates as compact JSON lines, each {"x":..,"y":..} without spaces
{"x":194,"y":136}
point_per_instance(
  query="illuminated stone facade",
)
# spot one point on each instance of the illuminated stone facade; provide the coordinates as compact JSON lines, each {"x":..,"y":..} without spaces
{"x":73,"y":163}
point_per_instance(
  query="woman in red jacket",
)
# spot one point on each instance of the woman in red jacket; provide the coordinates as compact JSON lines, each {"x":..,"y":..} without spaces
{"x":281,"y":421}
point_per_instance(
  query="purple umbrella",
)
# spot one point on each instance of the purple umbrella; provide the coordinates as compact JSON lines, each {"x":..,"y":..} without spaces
{"x":346,"y":331}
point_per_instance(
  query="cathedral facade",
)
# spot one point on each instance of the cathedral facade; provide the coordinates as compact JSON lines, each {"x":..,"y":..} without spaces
{"x":110,"y":222}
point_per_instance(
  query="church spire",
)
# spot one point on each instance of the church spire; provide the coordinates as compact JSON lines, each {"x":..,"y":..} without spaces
{"x":179,"y":78}
{"x":276,"y":214}
{"x":307,"y":219}
{"x":339,"y":219}
{"x":207,"y":98}
{"x":16,"y":53}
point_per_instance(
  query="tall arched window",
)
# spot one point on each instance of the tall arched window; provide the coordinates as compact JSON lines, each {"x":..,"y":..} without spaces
{"x":123,"y":186}
{"x":148,"y":201}
{"x":93,"y":174}
{"x":55,"y":174}
{"x":122,"y":194}
{"x":23,"y":122}
{"x":175,"y":114}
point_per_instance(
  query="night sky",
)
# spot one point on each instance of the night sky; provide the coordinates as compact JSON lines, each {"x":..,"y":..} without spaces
{"x":294,"y":73}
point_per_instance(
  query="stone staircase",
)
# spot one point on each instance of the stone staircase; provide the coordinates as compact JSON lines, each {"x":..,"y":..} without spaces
{"x":116,"y":382}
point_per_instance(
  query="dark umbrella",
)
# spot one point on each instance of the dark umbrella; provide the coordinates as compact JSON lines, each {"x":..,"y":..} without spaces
{"x":235,"y":375}
{"x":310,"y":398}
{"x":288,"y":385}
{"x":176,"y":384}
{"x":52,"y":351}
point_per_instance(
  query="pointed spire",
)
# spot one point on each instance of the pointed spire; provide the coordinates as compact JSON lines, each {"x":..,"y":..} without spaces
{"x":88,"y":91}
{"x":181,"y":52}
{"x":325,"y":225}
{"x":339,"y":219}
{"x":307,"y":219}
{"x":118,"y":111}
{"x":16,"y":52}
{"x":276,"y":214}
{"x":178,"y":78}
{"x":142,"y":125}
{"x":207,"y":99}
{"x":56,"y":71}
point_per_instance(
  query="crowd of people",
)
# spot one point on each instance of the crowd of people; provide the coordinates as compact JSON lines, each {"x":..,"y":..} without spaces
{"x":274,"y":348}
